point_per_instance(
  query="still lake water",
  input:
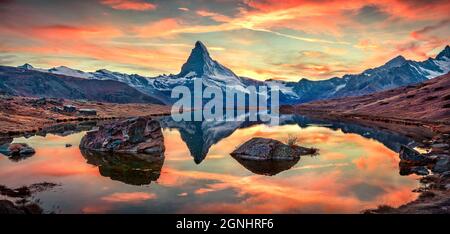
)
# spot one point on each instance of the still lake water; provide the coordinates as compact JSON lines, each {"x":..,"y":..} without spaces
{"x":357,"y":169}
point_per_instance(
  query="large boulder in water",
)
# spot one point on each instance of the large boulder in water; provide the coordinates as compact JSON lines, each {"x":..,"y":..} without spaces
{"x":16,"y":150}
{"x":269,"y":149}
{"x":135,"y":135}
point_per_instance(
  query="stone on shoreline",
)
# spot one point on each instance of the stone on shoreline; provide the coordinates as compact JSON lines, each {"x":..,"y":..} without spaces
{"x":8,"y":207}
{"x":69,"y":108}
{"x":22,"y":197}
{"x":408,"y":169}
{"x":16,"y":149}
{"x":420,"y":170}
{"x":268,"y":149}
{"x":135,"y":135}
{"x":442,"y":165}
{"x":411,"y":156}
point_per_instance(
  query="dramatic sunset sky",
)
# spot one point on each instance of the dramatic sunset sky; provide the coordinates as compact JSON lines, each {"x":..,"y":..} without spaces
{"x":262,"y":39}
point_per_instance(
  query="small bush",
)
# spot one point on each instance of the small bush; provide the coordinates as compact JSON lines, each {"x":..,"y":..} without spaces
{"x":292,"y":140}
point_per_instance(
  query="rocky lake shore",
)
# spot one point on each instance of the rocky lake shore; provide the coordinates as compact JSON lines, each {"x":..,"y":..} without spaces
{"x":24,"y":115}
{"x":432,"y":137}
{"x":420,"y":112}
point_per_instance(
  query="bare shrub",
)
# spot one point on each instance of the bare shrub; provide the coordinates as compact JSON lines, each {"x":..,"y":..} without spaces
{"x":292,"y":140}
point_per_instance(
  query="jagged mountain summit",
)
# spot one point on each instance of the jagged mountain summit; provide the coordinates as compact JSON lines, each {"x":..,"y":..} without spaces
{"x":395,"y":73}
{"x":201,"y":63}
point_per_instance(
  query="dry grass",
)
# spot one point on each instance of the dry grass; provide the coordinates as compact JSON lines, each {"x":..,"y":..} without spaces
{"x":292,"y":140}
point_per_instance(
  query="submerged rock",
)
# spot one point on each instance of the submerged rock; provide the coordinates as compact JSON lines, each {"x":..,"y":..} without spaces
{"x":134,"y":169}
{"x":19,"y":199}
{"x":268,"y":149}
{"x":135,"y":135}
{"x":267,"y":167}
{"x":16,"y":149}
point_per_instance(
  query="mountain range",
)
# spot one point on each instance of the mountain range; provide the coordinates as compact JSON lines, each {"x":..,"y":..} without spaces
{"x":395,"y":73}
{"x":30,"y":83}
{"x":427,"y":101}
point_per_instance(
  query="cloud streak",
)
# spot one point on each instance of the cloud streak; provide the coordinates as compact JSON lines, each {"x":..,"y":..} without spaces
{"x":134,"y":5}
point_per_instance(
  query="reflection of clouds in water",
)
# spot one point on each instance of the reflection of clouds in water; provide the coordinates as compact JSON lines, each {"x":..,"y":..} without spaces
{"x":176,"y":147}
{"x":50,"y":162}
{"x":311,"y":191}
{"x":330,"y":182}
{"x":129,"y":197}
{"x":51,"y":140}
{"x":332,"y":155}
{"x":321,"y":166}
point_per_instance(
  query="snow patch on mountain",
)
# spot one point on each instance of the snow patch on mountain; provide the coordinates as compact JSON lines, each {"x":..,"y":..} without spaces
{"x":66,"y":71}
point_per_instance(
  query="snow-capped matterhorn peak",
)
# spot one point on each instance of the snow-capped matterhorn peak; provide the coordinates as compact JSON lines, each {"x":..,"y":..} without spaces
{"x":201,"y":64}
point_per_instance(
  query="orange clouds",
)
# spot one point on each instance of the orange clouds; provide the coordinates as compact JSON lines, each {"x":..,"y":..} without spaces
{"x":135,"y":5}
{"x":161,"y":28}
{"x":259,"y":37}
{"x":215,"y":16}
{"x":419,"y":33}
{"x":415,"y":9}
{"x":58,"y":32}
{"x":366,"y":44}
{"x":96,"y":42}
{"x":129,"y":197}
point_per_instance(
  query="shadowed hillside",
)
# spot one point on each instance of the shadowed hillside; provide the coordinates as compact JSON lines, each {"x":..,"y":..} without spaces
{"x":28,"y":83}
{"x":429,"y":101}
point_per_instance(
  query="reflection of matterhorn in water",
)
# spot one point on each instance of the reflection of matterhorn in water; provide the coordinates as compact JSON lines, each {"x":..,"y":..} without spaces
{"x":199,"y":136}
